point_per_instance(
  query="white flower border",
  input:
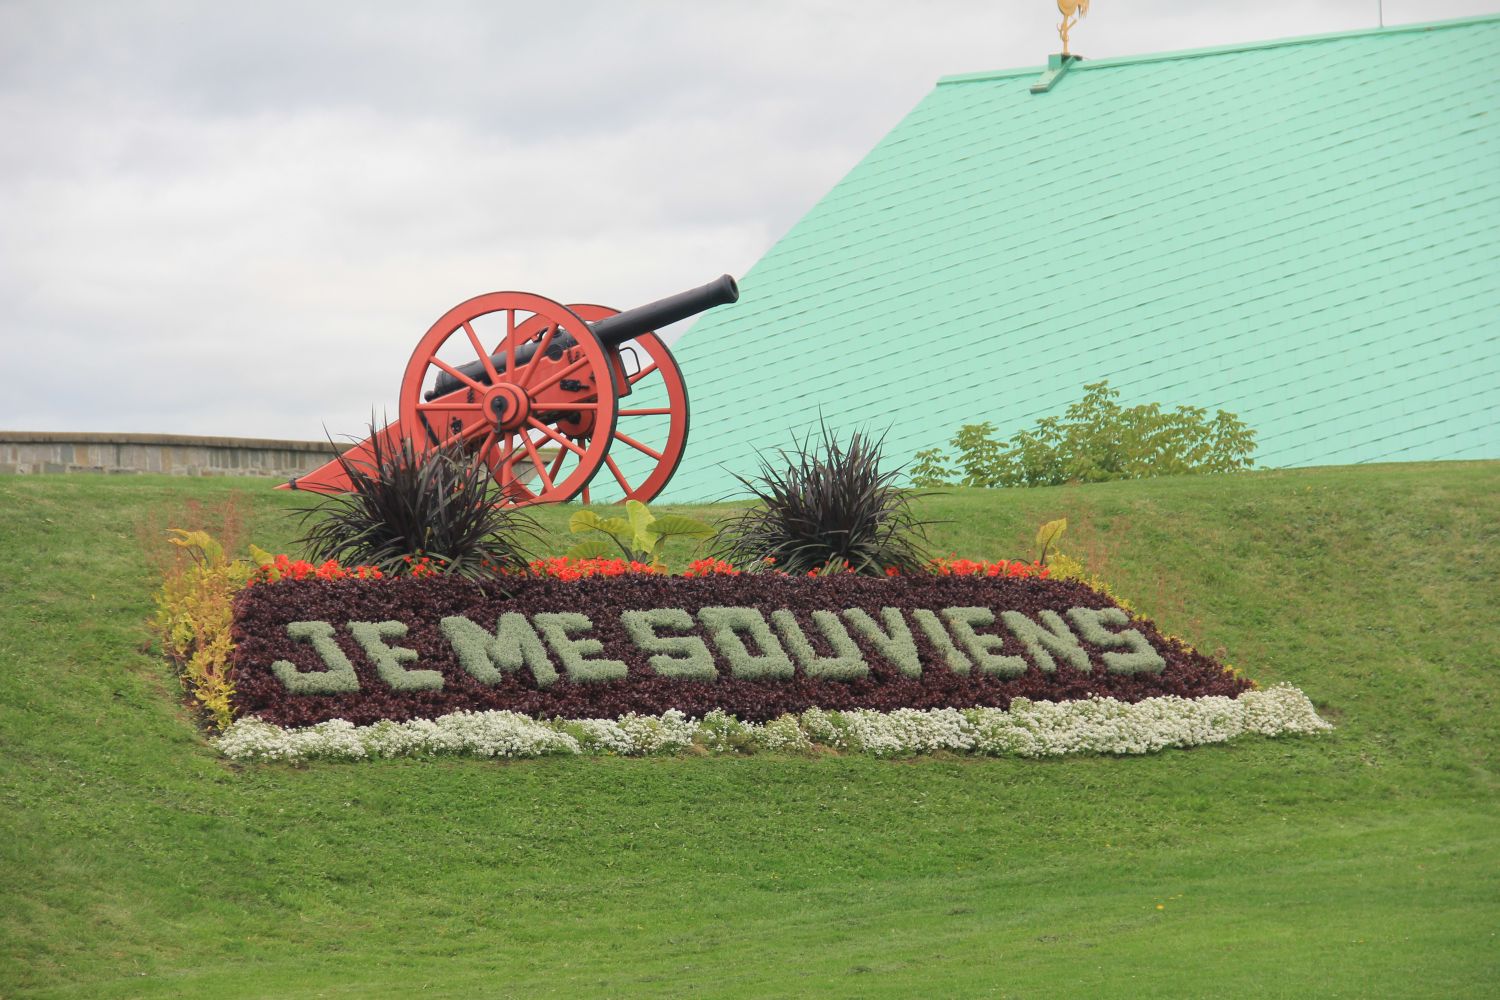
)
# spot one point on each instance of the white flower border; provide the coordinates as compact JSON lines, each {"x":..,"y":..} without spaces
{"x":1028,"y":729}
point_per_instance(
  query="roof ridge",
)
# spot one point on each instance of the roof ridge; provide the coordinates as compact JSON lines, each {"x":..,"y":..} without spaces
{"x":1217,"y":50}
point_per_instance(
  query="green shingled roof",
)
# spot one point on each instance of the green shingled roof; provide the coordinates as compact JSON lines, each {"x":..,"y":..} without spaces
{"x":1305,"y":232}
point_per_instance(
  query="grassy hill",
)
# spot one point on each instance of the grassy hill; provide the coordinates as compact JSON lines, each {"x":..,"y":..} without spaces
{"x":137,"y":863}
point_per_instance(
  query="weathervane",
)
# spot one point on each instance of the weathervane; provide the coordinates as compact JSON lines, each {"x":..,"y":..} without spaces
{"x":1071,"y":11}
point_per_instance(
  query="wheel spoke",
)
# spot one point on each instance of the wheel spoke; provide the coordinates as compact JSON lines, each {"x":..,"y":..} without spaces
{"x":510,"y":486}
{"x":536,"y":460}
{"x":555,"y":377}
{"x":441,"y":423}
{"x":438,"y":406}
{"x":443,"y":428}
{"x":510,"y":341}
{"x":485,"y":446}
{"x":533,"y":421}
{"x":524,"y":379}
{"x":609,"y":460}
{"x":487,"y":456}
{"x":468,"y":431}
{"x":637,"y":445}
{"x":445,"y":366}
{"x":503,"y":469}
{"x":633,"y":379}
{"x":484,"y":357}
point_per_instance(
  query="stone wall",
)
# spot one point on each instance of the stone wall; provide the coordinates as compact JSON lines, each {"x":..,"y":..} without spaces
{"x":172,"y":454}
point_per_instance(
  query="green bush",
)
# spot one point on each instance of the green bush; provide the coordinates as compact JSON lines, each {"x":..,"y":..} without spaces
{"x":1096,"y":441}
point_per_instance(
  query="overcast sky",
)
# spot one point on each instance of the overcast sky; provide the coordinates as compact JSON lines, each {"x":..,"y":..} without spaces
{"x":240,"y":218}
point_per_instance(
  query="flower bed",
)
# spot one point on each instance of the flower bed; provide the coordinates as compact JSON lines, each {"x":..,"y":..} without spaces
{"x":1027,"y":729}
{"x":607,"y":641}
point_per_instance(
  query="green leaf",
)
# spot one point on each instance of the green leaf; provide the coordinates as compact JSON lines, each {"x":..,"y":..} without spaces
{"x":679,"y":525}
{"x":585,"y":520}
{"x":593,"y":548}
{"x":616,"y":526}
{"x":209,"y":552}
{"x":1048,"y":535}
{"x":644,"y":537}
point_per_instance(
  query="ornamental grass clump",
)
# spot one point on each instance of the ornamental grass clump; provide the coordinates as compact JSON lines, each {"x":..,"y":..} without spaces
{"x":419,"y":513}
{"x":826,"y":507}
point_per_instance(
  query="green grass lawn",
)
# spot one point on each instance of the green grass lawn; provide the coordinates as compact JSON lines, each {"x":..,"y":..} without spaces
{"x":137,"y":863}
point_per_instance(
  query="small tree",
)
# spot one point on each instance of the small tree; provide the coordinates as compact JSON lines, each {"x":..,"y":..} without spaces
{"x":930,"y":469}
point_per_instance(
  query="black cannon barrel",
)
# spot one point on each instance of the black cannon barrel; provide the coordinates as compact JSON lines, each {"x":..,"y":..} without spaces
{"x":611,"y":331}
{"x":615,"y":330}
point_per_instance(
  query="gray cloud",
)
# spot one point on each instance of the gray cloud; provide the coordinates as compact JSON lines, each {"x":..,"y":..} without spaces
{"x":239,"y":220}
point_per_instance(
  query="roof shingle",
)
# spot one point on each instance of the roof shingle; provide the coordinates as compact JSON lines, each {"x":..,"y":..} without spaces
{"x":1305,"y":232}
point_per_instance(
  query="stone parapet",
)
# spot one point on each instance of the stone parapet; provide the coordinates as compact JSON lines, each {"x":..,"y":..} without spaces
{"x":172,"y":454}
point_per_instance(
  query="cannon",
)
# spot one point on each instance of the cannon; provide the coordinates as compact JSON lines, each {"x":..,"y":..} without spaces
{"x":536,"y":389}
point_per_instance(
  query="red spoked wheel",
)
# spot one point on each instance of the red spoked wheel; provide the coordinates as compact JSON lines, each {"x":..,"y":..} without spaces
{"x":525,"y":384}
{"x":652,"y":427}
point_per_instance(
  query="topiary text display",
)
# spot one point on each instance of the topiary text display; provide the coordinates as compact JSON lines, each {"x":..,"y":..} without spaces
{"x":754,"y":646}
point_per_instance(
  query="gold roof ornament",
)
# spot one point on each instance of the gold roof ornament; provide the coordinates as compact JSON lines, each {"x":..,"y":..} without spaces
{"x":1058,"y":63}
{"x":1071,"y":11}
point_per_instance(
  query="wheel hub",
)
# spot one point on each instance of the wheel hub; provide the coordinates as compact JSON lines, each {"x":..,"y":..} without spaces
{"x":507,"y":405}
{"x":577,"y":424}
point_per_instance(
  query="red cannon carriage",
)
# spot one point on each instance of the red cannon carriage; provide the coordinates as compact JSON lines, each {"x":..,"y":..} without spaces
{"x":544,"y":406}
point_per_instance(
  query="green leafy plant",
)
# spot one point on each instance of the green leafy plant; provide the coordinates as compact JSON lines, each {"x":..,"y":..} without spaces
{"x":1097,"y":440}
{"x":1061,"y":566}
{"x":438,"y":509}
{"x":826,"y":507}
{"x":1047,"y":536}
{"x":639,"y":535}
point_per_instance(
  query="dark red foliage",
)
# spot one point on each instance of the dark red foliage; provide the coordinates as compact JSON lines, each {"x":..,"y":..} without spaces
{"x":262,"y":613}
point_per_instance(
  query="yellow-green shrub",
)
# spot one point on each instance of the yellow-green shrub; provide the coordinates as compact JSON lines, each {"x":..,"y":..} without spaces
{"x":194,"y":610}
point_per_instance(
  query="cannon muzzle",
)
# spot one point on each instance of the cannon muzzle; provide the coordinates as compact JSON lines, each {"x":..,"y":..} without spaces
{"x":612,"y":331}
